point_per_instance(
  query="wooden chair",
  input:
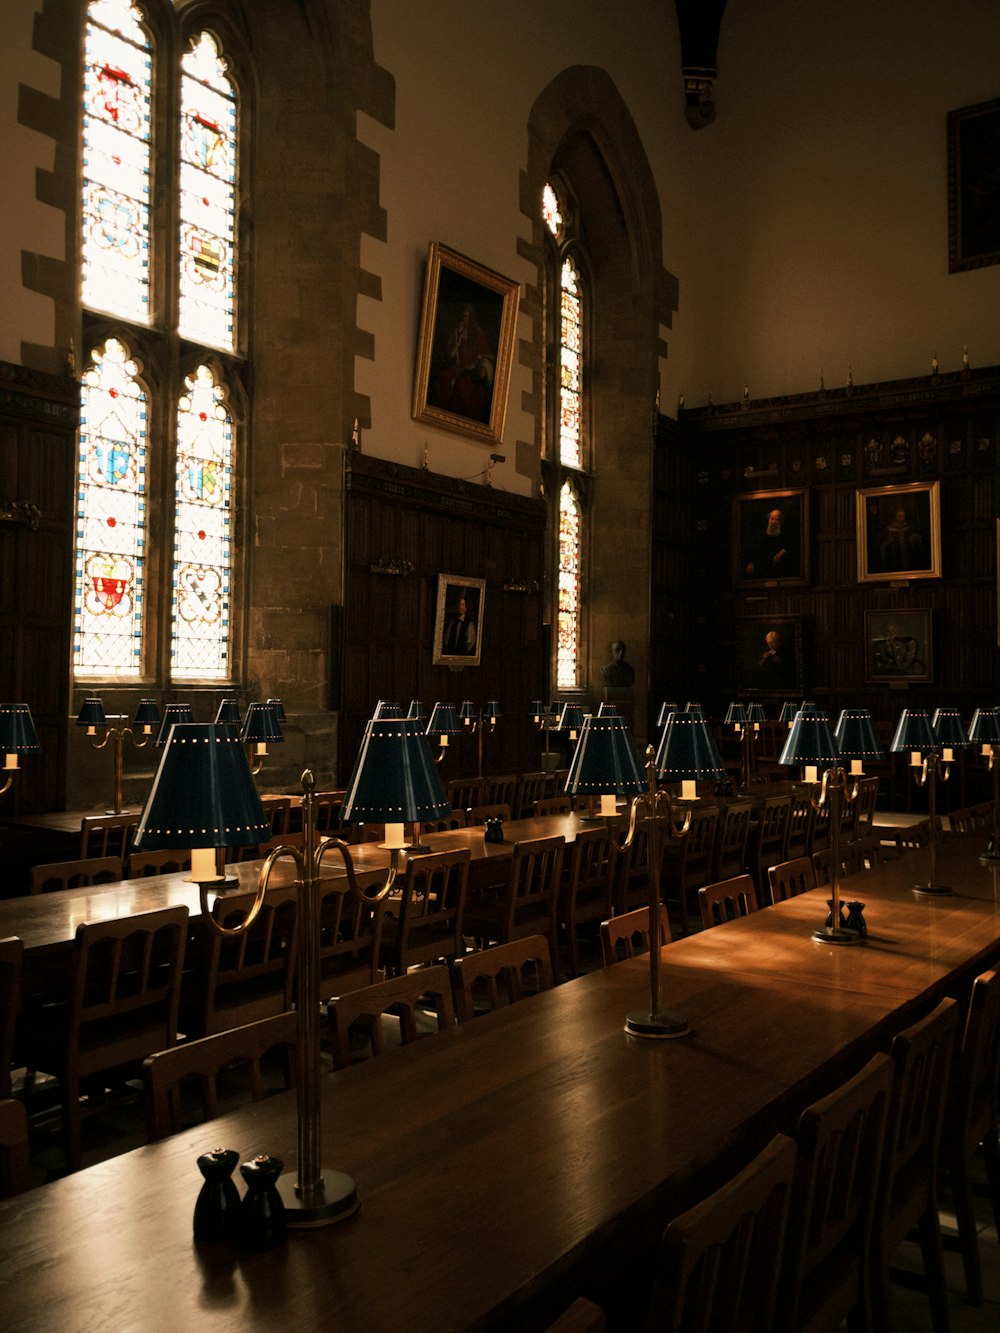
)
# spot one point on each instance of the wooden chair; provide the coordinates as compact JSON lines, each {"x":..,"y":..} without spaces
{"x":820,"y":829}
{"x":477,"y":815}
{"x":687,"y":862}
{"x":405,"y":997}
{"x":962,"y":821}
{"x":531,"y":788}
{"x":277,"y":809}
{"x":11,"y":965}
{"x":326,"y":807}
{"x":731,"y":841}
{"x":971,"y":1122}
{"x":912,"y":838}
{"x":823,"y":862}
{"x":866,"y":803}
{"x":526,"y":902}
{"x":631,"y":882}
{"x":553,"y":805}
{"x":801,"y":822}
{"x":767,"y":842}
{"x":586,"y":892}
{"x":501,"y":789}
{"x":106,"y":835}
{"x":627,"y":935}
{"x":727,"y":900}
{"x":75,"y":874}
{"x":491,"y":978}
{"x":868,"y":851}
{"x":456,"y":819}
{"x":825,"y":1273}
{"x":583,"y":1316}
{"x":982,"y":815}
{"x":122,"y":1005}
{"x":350,"y":940}
{"x":139,"y":865}
{"x":791,"y":878}
{"x":201,"y":1062}
{"x":908,"y":1202}
{"x":15,"y":1149}
{"x":239,"y":979}
{"x":719,"y":1263}
{"x":424,"y":923}
{"x":463,"y":792}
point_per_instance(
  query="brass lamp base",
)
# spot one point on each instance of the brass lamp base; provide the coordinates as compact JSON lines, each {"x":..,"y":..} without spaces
{"x":333,"y":1199}
{"x":931,"y":890}
{"x":989,"y":859}
{"x":218,"y":886}
{"x":836,"y":935}
{"x":665,"y":1024}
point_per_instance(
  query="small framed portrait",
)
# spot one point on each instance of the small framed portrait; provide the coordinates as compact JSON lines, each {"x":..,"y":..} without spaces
{"x":466,"y":346}
{"x":899,"y":532}
{"x":458,"y":620}
{"x":769,"y":655}
{"x":770,"y":538}
{"x":973,"y":187}
{"x":897,"y":646}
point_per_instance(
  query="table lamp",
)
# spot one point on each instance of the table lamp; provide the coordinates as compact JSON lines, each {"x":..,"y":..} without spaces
{"x":417,"y":711}
{"x":395,"y":782}
{"x":688,"y":753}
{"x":984,"y":731}
{"x":811,"y":745}
{"x":260,"y":729}
{"x":606,"y":764}
{"x":663,"y":717}
{"x":92,"y":716}
{"x":387,"y":708}
{"x":915,"y":737}
{"x":856,"y":741}
{"x":546,"y":721}
{"x":736,"y":718}
{"x":279,"y":711}
{"x":475,"y":722}
{"x":228,"y":714}
{"x":571,"y":720}
{"x":443,"y":723}
{"x":172,"y":713}
{"x":787,"y":714}
{"x":17,"y":737}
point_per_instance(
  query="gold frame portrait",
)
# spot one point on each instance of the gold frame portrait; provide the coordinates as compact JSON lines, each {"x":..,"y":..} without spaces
{"x":466,"y":346}
{"x":899,"y":532}
{"x":451,"y":588}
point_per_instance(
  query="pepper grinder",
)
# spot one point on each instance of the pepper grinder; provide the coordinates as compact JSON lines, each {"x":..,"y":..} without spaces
{"x":216,"y":1211}
{"x":262,"y":1212}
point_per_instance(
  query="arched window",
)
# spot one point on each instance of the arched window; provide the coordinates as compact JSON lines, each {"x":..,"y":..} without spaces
{"x":566,"y":467}
{"x":158,"y":440}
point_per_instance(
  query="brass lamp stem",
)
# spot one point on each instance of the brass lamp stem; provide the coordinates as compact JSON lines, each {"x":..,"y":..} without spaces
{"x":833,"y":790}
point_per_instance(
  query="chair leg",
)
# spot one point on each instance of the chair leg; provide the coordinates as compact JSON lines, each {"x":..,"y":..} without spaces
{"x":929,"y":1234}
{"x":968,"y":1241}
{"x":991,"y":1158}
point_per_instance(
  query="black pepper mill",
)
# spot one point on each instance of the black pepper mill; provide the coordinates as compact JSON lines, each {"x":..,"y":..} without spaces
{"x":262,"y":1213}
{"x":217,"y":1210}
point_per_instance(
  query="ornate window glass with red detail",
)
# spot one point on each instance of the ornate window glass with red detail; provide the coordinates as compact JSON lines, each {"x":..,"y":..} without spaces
{"x":568,"y":624}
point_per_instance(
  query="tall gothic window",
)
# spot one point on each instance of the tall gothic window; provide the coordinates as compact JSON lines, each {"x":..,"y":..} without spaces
{"x":566,"y":451}
{"x":158,"y":436}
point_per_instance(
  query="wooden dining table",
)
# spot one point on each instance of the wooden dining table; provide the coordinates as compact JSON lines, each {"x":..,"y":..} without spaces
{"x":510,"y":1164}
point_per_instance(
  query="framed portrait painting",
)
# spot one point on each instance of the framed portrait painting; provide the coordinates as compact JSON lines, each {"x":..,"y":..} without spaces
{"x":465,"y":347}
{"x":458,"y":620}
{"x":769,"y":655}
{"x":899,"y":532}
{"x":973,"y":189}
{"x":770,"y":538}
{"x":897,"y":646}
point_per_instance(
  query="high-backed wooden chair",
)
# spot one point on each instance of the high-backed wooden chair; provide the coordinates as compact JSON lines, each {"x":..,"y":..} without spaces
{"x":908,"y":1188}
{"x":195,"y":1066}
{"x":791,"y":878}
{"x":801,"y":822}
{"x":586,"y":892}
{"x":501,"y":789}
{"x":107,"y":835}
{"x":424,"y":923}
{"x":455,"y":819}
{"x":553,"y":805}
{"x":727,"y":900}
{"x":768,"y":839}
{"x":688,"y":861}
{"x":719,"y":1263}
{"x":823,"y":862}
{"x":912,"y":838}
{"x":169,"y":861}
{"x":982,"y":815}
{"x":15,"y":1149}
{"x":866,"y":803}
{"x":75,"y":874}
{"x":326,"y":807}
{"x":526,"y":902}
{"x":731,"y":840}
{"x":350,"y":939}
{"x":631,"y":884}
{"x":531,"y":788}
{"x":868,"y":851}
{"x":239,"y":979}
{"x":121,"y":1005}
{"x":408,"y":998}
{"x":491,"y":978}
{"x":11,"y":965}
{"x":962,"y":821}
{"x":627,"y":935}
{"x":463,"y":792}
{"x":820,"y":829}
{"x":477,"y":815}
{"x":826,"y":1270}
{"x":277,"y":809}
{"x":971,"y":1122}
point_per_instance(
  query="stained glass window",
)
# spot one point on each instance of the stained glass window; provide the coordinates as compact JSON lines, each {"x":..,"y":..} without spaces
{"x":207,"y":196}
{"x":551,"y":213}
{"x":202,"y":531}
{"x":116,"y":155}
{"x":111,"y":516}
{"x":568,"y":625}
{"x":570,"y":355}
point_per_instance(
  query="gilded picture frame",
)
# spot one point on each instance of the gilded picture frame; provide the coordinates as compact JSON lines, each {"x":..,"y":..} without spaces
{"x":465,"y":347}
{"x":898,"y":646}
{"x":899,"y":532}
{"x":770,"y":538}
{"x":973,"y":212}
{"x":458,"y":621}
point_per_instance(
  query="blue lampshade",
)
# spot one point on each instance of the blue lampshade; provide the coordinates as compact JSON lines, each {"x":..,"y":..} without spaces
{"x":687,"y":750}
{"x":395,"y":778}
{"x":571,"y":719}
{"x":417,"y":711}
{"x":493,"y":712}
{"x":387,"y":708}
{"x":914,"y":733}
{"x":147,"y":715}
{"x":855,"y":736}
{"x":948,"y":728}
{"x":537,"y":709}
{"x":17,"y":730}
{"x":279,"y":710}
{"x":736,"y":716}
{"x":555,"y":710}
{"x":984,"y":729}
{"x":810,"y":741}
{"x":756,"y":714}
{"x":260,"y":727}
{"x":203,"y":794}
{"x":228,"y":714}
{"x":91,"y":715}
{"x":444,"y":720}
{"x":467,"y":711}
{"x":172,"y":713}
{"x":664,"y":714}
{"x":605,"y":761}
{"x":788,"y":711}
